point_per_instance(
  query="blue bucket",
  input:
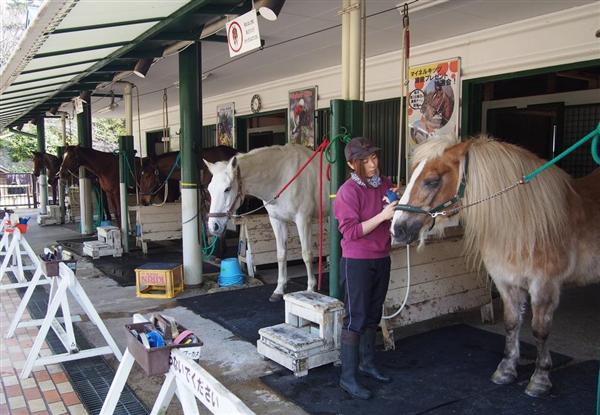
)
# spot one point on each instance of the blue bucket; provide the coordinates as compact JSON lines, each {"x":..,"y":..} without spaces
{"x":231,"y":274}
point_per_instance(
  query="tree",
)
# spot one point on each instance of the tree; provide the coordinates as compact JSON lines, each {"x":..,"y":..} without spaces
{"x":16,"y":17}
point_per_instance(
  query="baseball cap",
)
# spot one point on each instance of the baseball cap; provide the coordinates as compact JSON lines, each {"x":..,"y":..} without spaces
{"x":359,"y":148}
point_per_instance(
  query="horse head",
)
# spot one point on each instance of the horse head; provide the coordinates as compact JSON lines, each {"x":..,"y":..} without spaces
{"x":433,"y":188}
{"x":38,"y":163}
{"x":149,"y":180}
{"x":226,"y":193}
{"x":70,"y":162}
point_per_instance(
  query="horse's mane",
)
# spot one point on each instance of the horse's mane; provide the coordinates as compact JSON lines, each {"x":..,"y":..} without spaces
{"x":523,"y":223}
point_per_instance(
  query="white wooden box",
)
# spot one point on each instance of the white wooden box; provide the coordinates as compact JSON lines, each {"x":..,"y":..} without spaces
{"x":157,"y":223}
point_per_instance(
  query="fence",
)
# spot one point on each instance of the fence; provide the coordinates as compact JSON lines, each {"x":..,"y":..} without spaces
{"x":18,"y":190}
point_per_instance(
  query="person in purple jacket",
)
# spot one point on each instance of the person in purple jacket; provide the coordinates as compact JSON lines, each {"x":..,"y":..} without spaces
{"x":364,"y":216}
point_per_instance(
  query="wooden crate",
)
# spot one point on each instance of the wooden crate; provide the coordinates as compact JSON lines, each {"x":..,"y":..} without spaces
{"x":157,"y":223}
{"x":257,"y":241}
{"x":441,"y":282}
{"x":159,"y":280}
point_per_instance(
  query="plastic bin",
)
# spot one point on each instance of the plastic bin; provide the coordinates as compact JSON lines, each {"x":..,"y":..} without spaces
{"x":50,"y":268}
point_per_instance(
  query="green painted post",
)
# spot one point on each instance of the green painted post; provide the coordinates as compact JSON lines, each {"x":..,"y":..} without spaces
{"x":60,"y":151}
{"x":43,"y":178}
{"x":190,"y":96}
{"x":84,"y":136}
{"x":126,"y":178}
{"x":345,"y":116}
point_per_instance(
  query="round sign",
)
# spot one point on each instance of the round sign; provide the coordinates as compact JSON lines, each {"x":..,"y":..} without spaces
{"x":235,"y":36}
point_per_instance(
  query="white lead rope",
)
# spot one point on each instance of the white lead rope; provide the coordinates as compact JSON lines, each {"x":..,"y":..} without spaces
{"x":383,"y":316}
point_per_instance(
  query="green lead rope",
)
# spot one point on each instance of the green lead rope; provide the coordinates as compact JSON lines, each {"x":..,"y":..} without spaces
{"x":595,"y":134}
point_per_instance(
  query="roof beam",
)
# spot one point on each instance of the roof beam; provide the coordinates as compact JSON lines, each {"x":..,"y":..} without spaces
{"x":45,"y":78}
{"x":215,"y":38}
{"x":77,"y":50}
{"x":144,"y":53}
{"x":105,"y":25}
{"x":191,"y":35}
{"x":47,"y":68}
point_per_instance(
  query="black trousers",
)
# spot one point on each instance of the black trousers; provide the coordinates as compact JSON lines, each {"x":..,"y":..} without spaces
{"x":365,"y":284}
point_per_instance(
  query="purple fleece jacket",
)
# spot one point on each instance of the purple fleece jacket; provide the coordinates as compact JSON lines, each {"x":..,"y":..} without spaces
{"x":355,"y":204}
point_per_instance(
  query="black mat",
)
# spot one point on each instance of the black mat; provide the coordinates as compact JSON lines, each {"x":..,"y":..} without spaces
{"x":443,"y":371}
{"x":243,"y":311}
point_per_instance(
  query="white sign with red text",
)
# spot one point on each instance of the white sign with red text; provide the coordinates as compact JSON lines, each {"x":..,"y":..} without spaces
{"x":242,"y":34}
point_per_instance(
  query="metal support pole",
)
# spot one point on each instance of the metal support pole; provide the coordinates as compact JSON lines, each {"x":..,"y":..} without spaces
{"x":346,"y":116}
{"x":125,"y":180}
{"x":126,"y":163}
{"x":84,"y":135}
{"x":43,"y":179}
{"x":190,"y":95}
{"x":60,"y":151}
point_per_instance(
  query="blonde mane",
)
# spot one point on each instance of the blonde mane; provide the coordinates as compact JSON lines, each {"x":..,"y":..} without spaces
{"x":524,"y":223}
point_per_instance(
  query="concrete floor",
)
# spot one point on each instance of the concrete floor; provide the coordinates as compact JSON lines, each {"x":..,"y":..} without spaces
{"x":236,"y":363}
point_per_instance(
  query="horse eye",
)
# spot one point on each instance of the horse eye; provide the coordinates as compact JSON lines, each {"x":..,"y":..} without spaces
{"x":431,"y":183}
{"x":228,"y":190}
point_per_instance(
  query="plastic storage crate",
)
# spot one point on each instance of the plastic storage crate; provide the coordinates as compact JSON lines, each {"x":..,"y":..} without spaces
{"x":159,"y":280}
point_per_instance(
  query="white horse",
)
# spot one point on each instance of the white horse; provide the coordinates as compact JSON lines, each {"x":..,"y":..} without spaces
{"x":262,"y":173}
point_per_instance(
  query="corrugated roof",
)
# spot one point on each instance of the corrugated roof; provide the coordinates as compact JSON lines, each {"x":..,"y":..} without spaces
{"x":73,"y":45}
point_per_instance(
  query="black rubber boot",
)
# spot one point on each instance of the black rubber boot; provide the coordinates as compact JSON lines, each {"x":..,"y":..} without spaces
{"x":348,"y":381}
{"x":367,"y":357}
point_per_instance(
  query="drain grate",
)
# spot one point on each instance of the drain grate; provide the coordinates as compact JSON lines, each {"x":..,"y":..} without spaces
{"x":91,"y":377}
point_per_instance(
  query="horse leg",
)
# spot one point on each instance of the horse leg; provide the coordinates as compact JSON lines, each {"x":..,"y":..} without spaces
{"x":305,"y":234}
{"x":280,"y":230}
{"x":544,"y":300}
{"x":514,"y":299}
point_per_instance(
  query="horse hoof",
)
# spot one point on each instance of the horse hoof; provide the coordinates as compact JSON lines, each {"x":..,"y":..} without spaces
{"x":503,"y":378}
{"x":274,"y":298}
{"x":537,"y":389}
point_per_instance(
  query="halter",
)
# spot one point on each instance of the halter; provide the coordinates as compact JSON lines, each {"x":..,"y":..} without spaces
{"x":239,"y":197}
{"x":440,"y":210}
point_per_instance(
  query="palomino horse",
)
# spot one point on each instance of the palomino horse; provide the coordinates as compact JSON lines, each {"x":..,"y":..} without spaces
{"x":52,"y":165}
{"x":104,"y":165}
{"x":262,"y":173}
{"x":532,"y":238}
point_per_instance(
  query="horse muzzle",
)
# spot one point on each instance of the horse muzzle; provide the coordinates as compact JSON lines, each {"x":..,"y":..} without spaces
{"x":407,"y":231}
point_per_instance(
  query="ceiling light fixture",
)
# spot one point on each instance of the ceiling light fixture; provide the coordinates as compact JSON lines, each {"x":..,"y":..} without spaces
{"x":143,"y":66}
{"x":110,"y":107}
{"x":270,"y":9}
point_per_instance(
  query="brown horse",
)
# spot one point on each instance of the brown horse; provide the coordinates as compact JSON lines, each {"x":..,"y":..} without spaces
{"x":532,"y":238}
{"x":103,"y":165}
{"x":52,"y":165}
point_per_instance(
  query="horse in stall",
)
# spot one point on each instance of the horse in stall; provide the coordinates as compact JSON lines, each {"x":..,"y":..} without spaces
{"x":156,"y":170}
{"x":52,"y":165}
{"x":105,"y":166}
{"x":532,"y":238}
{"x":261,"y":173}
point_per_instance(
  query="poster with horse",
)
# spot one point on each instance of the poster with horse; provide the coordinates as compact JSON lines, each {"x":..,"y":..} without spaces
{"x":301,"y":116}
{"x":432,"y":105}
{"x":226,"y":125}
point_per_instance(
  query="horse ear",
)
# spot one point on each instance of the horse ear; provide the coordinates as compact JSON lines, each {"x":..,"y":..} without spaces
{"x":233,"y":163}
{"x":459,"y":150}
{"x":209,"y":165}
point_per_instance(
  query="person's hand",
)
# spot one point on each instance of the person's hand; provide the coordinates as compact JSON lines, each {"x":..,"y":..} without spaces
{"x":388,"y":211}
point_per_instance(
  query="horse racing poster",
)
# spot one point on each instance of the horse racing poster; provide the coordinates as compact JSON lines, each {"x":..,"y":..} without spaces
{"x":301,"y":116}
{"x":433,"y":100}
{"x":226,"y":124}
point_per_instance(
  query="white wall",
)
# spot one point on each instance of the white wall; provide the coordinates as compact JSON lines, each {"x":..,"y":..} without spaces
{"x":554,"y":39}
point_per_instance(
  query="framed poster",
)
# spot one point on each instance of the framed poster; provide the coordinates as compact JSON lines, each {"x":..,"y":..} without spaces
{"x":433,"y":100}
{"x":225,"y":130}
{"x":301,"y":116}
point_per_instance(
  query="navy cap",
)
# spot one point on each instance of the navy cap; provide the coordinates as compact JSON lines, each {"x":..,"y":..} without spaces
{"x":359,"y":148}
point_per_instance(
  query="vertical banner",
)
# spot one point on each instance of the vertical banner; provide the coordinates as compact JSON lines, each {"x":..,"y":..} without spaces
{"x":433,"y":100}
{"x":225,"y":130}
{"x":301,"y":116}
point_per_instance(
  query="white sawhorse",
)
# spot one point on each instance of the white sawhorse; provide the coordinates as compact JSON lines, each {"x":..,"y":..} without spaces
{"x":15,"y":253}
{"x":3,"y":226}
{"x":66,"y":281}
{"x":186,"y":379}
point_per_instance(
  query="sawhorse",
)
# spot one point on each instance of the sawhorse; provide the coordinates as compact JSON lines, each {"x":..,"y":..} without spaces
{"x":15,"y":253}
{"x":186,"y":379}
{"x":66,"y":281}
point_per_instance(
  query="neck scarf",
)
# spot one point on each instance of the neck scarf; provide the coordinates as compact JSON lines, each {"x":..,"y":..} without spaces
{"x":373,"y":182}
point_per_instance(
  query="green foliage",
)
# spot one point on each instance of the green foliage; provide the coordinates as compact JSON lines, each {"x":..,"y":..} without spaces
{"x":19,"y":147}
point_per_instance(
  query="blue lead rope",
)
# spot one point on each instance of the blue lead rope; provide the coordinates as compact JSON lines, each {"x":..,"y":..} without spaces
{"x":595,"y":134}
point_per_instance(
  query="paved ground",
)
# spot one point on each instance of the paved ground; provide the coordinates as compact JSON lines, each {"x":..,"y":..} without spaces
{"x":231,"y":360}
